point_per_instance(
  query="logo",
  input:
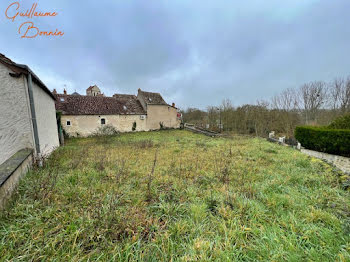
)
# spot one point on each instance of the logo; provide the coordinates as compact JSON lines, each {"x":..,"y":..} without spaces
{"x":27,"y":29}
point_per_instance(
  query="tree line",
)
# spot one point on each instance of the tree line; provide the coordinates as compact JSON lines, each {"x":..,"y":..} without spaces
{"x":315,"y":103}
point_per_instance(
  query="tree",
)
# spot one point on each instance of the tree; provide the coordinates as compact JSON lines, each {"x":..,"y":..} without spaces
{"x":345,"y":97}
{"x":312,"y":97}
{"x":336,"y":88}
{"x":195,"y":116}
{"x":286,"y":104}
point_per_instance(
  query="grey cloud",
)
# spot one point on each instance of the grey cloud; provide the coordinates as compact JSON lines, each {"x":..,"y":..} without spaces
{"x":196,"y":53}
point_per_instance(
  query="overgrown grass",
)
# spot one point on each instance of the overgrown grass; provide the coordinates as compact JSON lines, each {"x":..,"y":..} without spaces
{"x":238,"y":199}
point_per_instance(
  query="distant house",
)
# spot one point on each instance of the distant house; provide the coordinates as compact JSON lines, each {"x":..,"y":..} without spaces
{"x":93,"y":91}
{"x":28,"y":116}
{"x":158,"y":111}
{"x":83,"y":115}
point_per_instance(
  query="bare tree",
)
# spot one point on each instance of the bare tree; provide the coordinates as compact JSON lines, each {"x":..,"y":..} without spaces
{"x":286,"y":105}
{"x":345,"y":97}
{"x":287,"y":100}
{"x":312,"y":98}
{"x":336,"y":88}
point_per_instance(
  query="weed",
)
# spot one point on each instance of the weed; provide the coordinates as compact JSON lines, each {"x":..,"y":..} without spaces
{"x":212,"y":205}
{"x":144,"y":144}
{"x":150,"y":178}
{"x":121,"y":170}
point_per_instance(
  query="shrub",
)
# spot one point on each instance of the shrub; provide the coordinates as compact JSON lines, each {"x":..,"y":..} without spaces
{"x":342,"y":122}
{"x":105,"y":130}
{"x":333,"y":141}
{"x":161,"y":125}
{"x":65,"y":134}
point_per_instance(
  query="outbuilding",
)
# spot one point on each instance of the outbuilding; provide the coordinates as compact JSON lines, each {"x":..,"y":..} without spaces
{"x":28,"y":126}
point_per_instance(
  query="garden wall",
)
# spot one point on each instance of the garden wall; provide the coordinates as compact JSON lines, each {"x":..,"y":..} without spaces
{"x":343,"y":163}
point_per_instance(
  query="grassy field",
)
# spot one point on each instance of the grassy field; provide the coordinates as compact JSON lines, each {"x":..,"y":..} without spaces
{"x":177,"y":196}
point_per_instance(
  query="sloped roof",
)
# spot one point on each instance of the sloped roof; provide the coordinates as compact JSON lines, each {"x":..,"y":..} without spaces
{"x":152,"y":98}
{"x":124,"y":96}
{"x":91,"y":87}
{"x":98,"y":105}
{"x":24,"y":69}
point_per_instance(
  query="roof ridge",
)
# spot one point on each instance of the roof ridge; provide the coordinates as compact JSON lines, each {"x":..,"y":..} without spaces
{"x":26,"y":70}
{"x":95,"y":105}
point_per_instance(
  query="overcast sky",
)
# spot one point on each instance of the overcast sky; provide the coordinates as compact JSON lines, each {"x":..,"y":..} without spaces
{"x":195,"y":53}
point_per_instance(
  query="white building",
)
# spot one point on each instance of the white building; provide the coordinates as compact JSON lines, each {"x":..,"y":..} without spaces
{"x":27,"y":112}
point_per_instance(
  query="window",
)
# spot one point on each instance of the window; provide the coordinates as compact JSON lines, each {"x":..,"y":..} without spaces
{"x":62,"y":99}
{"x":68,"y":122}
{"x":103,"y":121}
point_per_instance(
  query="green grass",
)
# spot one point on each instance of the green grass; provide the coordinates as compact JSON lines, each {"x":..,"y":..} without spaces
{"x":209,"y":199}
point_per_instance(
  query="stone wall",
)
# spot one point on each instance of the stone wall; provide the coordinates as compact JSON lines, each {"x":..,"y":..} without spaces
{"x":162,"y":113}
{"x":343,"y":163}
{"x":46,"y":120}
{"x":15,"y":117}
{"x":85,"y":125}
{"x":11,"y":172}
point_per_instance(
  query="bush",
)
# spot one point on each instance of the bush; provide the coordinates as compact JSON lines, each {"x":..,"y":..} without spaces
{"x":342,"y":122}
{"x":333,"y":141}
{"x":161,"y":125}
{"x":105,"y":130}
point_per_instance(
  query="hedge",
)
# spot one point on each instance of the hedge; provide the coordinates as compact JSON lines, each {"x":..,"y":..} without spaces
{"x":333,"y":141}
{"x":342,"y":122}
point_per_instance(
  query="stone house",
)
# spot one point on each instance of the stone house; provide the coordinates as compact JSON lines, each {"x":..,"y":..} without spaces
{"x":93,"y":91}
{"x":28,"y":116}
{"x":158,"y":111}
{"x":83,"y":115}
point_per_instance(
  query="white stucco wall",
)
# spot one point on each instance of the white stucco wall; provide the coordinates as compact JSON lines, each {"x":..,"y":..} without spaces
{"x":46,"y":120}
{"x":15,"y":121}
{"x":86,"y":125}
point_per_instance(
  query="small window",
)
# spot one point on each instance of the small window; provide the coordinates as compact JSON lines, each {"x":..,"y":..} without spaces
{"x":103,"y":121}
{"x":62,"y":99}
{"x":68,"y":123}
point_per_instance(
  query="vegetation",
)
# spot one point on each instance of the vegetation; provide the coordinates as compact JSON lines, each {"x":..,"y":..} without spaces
{"x":105,"y":130}
{"x":316,"y":103}
{"x":333,"y":141}
{"x":177,"y":196}
{"x":342,"y":122}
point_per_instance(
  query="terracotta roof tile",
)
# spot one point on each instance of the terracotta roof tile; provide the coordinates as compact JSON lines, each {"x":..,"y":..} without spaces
{"x":153,"y":98}
{"x":98,"y":105}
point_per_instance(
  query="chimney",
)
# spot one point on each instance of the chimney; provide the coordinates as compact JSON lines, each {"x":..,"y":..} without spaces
{"x":54,"y":91}
{"x":173,"y":104}
{"x":64,"y":91}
